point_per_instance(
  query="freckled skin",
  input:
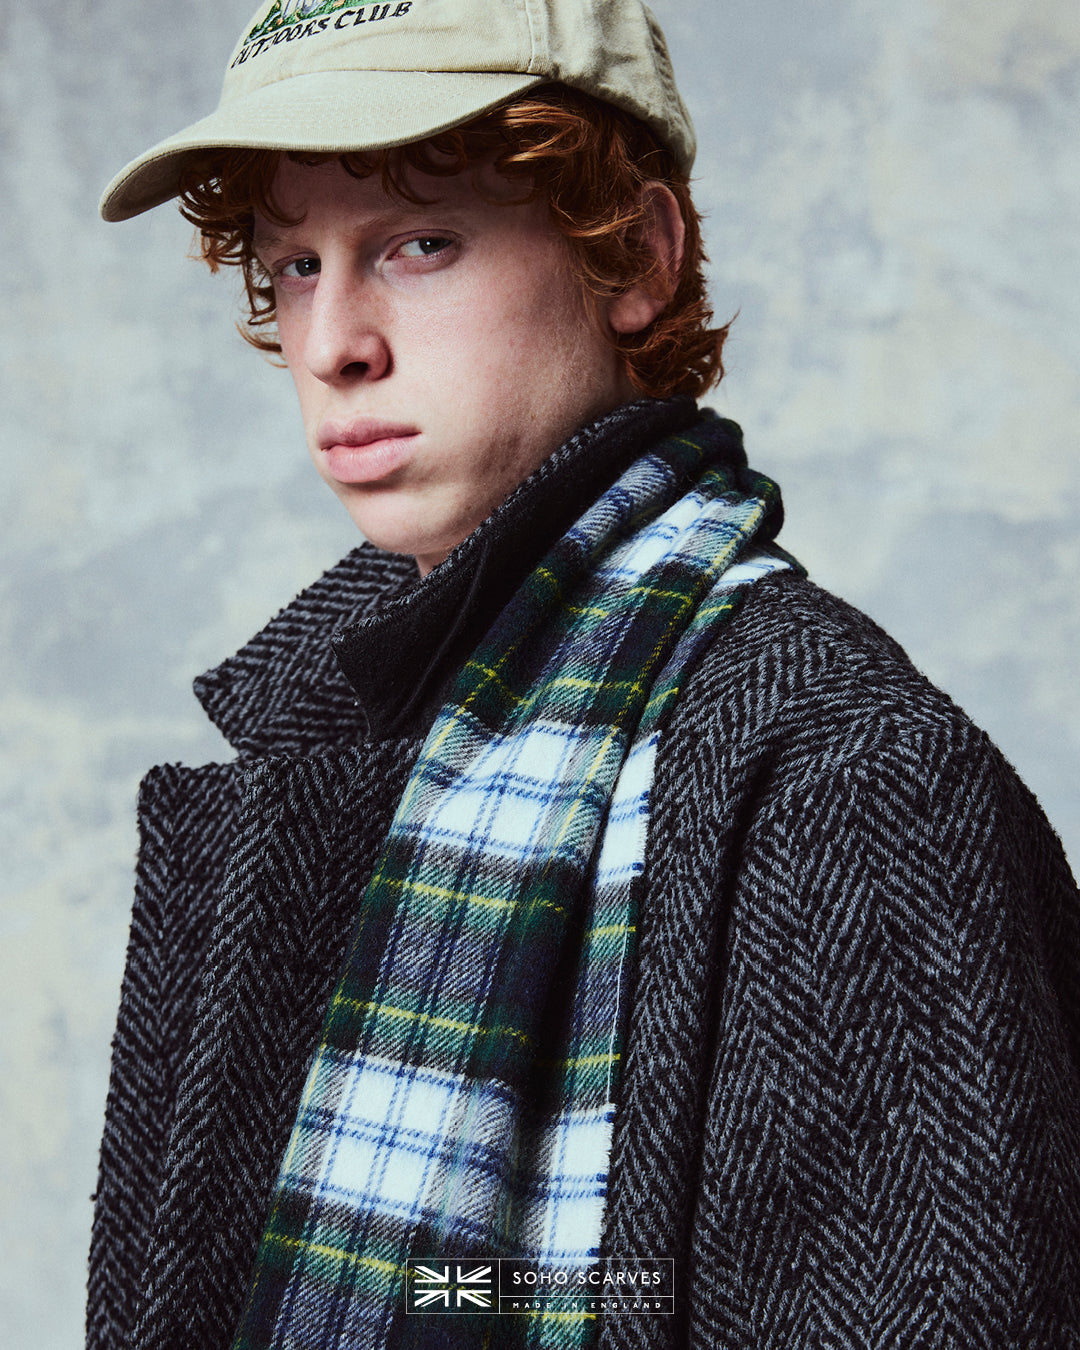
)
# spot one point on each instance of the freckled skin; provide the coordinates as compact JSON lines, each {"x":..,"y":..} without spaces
{"x":458,"y":322}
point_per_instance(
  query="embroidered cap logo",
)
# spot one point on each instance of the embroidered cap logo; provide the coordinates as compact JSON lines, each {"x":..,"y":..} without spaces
{"x":306,"y":18}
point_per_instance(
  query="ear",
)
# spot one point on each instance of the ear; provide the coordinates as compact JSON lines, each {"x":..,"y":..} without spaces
{"x":664,"y":236}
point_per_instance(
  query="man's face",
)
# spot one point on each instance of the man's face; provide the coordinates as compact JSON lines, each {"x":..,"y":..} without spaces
{"x":441,"y":352}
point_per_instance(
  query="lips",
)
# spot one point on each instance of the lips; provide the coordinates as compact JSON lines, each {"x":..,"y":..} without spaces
{"x":364,"y":450}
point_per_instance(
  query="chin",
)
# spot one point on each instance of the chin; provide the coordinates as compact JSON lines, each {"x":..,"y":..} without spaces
{"x":393,"y":538}
{"x":400,"y":532}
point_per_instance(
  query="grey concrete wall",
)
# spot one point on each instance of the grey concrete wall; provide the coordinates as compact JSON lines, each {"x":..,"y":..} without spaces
{"x":892,"y":195}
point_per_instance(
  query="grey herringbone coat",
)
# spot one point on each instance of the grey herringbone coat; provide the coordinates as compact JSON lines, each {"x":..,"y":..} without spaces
{"x":851,"y":1103}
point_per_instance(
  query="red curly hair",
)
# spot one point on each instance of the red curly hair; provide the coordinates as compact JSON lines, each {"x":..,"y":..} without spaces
{"x":588,"y":159}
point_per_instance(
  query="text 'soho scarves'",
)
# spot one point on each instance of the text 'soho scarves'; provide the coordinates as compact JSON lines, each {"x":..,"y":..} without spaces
{"x":461,"y":1098}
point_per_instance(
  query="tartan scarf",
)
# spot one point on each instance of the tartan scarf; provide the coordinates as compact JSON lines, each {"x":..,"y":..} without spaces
{"x":461,"y":1099}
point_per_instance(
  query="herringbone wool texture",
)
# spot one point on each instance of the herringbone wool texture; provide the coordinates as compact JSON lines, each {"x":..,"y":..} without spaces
{"x":850,"y":1108}
{"x":184,"y":846}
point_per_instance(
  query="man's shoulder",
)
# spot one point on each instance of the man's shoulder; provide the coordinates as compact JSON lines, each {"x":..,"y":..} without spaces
{"x":807,"y":751}
{"x":803,"y":702}
{"x":798,"y":663}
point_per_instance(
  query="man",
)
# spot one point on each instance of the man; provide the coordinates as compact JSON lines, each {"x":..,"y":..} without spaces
{"x":588,"y":883}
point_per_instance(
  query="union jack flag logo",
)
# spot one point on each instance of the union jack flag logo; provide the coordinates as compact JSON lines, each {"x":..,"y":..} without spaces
{"x":451,"y":1286}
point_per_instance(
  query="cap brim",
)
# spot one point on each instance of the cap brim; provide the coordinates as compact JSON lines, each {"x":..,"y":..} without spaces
{"x":331,"y":111}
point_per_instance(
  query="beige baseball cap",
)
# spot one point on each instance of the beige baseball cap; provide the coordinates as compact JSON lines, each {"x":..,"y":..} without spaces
{"x":329,"y":75}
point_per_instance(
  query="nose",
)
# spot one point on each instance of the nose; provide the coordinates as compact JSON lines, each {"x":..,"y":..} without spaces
{"x":346,"y":340}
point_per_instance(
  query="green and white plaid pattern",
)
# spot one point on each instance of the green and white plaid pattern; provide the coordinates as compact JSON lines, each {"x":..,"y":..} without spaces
{"x":462,"y":1096}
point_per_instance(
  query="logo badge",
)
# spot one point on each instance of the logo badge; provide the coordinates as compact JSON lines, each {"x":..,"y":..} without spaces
{"x":493,"y":1285}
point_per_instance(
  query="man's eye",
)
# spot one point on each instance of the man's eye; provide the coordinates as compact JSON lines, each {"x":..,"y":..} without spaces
{"x":300,"y":267}
{"x":424,"y":246}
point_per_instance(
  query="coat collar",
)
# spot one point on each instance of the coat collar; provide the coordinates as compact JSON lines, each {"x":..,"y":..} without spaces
{"x":370,"y":650}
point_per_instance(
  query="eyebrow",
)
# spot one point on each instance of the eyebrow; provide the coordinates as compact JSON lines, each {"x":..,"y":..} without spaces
{"x":270,"y":238}
{"x":264,"y":234}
